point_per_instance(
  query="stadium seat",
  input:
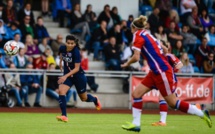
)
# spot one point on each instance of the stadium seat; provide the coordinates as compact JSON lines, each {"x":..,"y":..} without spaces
{"x":192,"y":59}
{"x":196,"y":69}
{"x":75,"y":31}
{"x":146,"y":10}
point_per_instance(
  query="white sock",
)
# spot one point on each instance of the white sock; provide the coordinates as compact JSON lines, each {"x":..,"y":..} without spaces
{"x":163,"y":117}
{"x":194,"y":110}
{"x":136,"y":116}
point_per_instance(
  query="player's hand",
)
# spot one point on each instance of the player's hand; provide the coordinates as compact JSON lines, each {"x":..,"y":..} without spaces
{"x":124,"y":65}
{"x":61,"y":79}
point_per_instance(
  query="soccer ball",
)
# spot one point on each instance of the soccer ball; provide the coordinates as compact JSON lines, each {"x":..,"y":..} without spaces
{"x":11,"y":48}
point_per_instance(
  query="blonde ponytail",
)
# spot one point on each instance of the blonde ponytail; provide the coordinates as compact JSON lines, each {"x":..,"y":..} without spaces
{"x":140,"y":22}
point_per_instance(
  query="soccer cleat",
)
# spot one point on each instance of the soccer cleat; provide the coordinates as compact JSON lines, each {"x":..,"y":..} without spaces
{"x":131,"y":127}
{"x":98,"y":106}
{"x":62,"y":118}
{"x":207,"y":118}
{"x":158,"y":124}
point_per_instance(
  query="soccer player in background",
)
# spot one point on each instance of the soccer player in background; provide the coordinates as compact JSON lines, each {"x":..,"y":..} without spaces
{"x":160,"y":76}
{"x":176,"y":65}
{"x":73,"y":74}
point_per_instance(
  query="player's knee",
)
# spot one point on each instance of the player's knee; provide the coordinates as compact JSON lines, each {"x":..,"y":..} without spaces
{"x":171,"y":104}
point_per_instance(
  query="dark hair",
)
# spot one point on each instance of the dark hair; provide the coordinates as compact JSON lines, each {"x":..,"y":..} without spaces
{"x":106,"y":6}
{"x":88,"y":7}
{"x":75,"y":39}
{"x":39,"y":17}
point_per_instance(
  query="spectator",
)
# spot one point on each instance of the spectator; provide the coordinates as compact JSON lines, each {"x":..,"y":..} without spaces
{"x":117,"y":33}
{"x":31,"y":84}
{"x":44,"y":45}
{"x":195,"y":24}
{"x":164,"y":6}
{"x":14,"y":81}
{"x":1,"y":9}
{"x":189,"y":39}
{"x":4,"y":35}
{"x":26,"y":11}
{"x":99,"y":39}
{"x":52,"y":87}
{"x":208,"y":3}
{"x":186,"y":7}
{"x":41,"y":31}
{"x":55,"y":45}
{"x":187,"y":66}
{"x":202,"y":52}
{"x":161,"y":34}
{"x":208,"y":64}
{"x":50,"y":59}
{"x":45,"y":7}
{"x":106,"y":16}
{"x":4,"y":60}
{"x":63,"y":8}
{"x":84,"y":64}
{"x":90,"y":17}
{"x":201,"y":6}
{"x":154,"y":20}
{"x":173,"y":16}
{"x":27,"y":28}
{"x":112,"y":55}
{"x":78,"y":22}
{"x":115,"y":16}
{"x":31,"y":48}
{"x":173,"y":36}
{"x":12,"y":30}
{"x":9,"y":13}
{"x":130,"y":20}
{"x":178,"y":50}
{"x":205,"y":19}
{"x":127,"y":36}
{"x":210,"y":35}
{"x":40,"y":62}
{"x":21,"y":60}
{"x":17,"y":38}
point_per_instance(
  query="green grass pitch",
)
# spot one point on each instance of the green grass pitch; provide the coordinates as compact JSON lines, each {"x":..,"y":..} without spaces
{"x":45,"y":123}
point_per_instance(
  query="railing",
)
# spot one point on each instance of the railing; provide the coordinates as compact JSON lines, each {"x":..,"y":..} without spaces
{"x":112,"y":74}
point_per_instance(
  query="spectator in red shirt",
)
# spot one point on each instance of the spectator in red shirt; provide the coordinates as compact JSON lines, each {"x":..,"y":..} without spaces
{"x":84,"y":65}
{"x":41,"y":62}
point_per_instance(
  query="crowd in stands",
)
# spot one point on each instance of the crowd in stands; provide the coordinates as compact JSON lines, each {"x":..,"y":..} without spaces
{"x":188,"y":27}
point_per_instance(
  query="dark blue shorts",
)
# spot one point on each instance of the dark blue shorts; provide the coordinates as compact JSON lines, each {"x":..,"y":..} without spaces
{"x":80,"y":82}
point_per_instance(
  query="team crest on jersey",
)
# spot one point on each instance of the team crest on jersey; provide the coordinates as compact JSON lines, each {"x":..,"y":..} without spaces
{"x":67,"y":57}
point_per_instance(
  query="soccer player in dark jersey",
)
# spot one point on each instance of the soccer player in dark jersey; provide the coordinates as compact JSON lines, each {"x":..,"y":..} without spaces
{"x":73,"y":75}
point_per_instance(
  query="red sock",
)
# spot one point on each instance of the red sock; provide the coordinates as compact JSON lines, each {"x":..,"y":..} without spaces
{"x":163,"y":106}
{"x":182,"y":106}
{"x":138,"y":103}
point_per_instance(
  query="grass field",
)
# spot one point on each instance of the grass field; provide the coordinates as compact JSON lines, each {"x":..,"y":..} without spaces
{"x":45,"y":123}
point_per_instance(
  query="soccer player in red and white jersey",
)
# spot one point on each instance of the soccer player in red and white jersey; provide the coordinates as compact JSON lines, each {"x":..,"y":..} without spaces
{"x":176,"y":64}
{"x":160,"y":76}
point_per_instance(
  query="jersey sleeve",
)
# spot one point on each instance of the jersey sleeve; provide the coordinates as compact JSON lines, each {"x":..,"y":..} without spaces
{"x":138,"y":41}
{"x":77,"y":56}
{"x":174,"y":60}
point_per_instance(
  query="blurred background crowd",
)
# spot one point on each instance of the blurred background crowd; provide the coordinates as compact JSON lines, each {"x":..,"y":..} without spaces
{"x":187,"y":27}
